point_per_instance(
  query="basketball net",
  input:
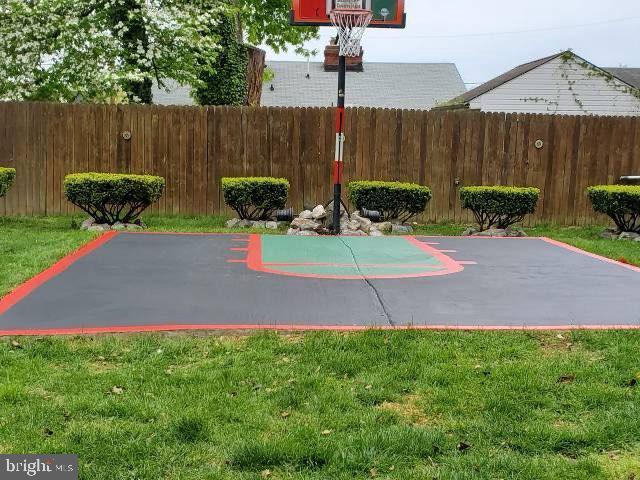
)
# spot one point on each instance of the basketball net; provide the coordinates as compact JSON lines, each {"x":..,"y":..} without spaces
{"x":351,"y":20}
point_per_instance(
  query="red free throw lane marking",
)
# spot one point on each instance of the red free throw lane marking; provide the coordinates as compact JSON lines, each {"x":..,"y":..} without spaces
{"x":30,"y":285}
{"x":450,"y":266}
{"x":302,"y":328}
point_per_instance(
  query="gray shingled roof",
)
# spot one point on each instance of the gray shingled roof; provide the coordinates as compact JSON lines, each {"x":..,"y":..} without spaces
{"x":627,"y":75}
{"x":387,"y":85}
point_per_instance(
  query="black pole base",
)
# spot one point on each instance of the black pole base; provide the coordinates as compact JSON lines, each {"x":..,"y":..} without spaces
{"x":337,"y":207}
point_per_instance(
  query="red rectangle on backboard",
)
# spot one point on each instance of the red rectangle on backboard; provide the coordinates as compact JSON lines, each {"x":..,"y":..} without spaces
{"x":386,"y":13}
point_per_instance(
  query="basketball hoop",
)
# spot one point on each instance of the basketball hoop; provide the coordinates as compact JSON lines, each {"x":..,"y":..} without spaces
{"x":351,"y":20}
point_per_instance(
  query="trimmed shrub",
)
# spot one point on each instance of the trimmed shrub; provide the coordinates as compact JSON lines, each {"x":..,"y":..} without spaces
{"x":7,"y":176}
{"x":499,"y":207}
{"x":620,"y":202}
{"x":113,"y":197}
{"x":394,"y":200}
{"x":255,"y":198}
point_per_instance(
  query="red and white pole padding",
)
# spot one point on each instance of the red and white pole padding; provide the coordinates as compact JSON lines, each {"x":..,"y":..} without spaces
{"x":338,"y":165}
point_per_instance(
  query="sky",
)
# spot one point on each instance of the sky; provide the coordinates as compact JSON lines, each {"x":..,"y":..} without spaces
{"x":486,"y":38}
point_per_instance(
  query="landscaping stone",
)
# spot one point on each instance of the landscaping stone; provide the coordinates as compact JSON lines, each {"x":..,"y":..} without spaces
{"x":629,"y":236}
{"x":87,"y":223}
{"x":259,"y":224}
{"x":319,"y":220}
{"x":515,"y":232}
{"x":492,"y":232}
{"x":364,"y":223}
{"x":319,"y":213}
{"x":402,"y":229}
{"x":307,"y":233}
{"x":610,"y":234}
{"x":90,"y":225}
{"x":245,"y":224}
{"x":637,"y":240}
{"x":305,"y":224}
{"x":271,"y":225}
{"x":470,"y":231}
{"x":384,"y":227}
{"x":233,"y":223}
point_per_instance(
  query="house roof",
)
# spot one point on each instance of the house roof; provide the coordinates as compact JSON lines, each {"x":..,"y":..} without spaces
{"x":631,"y":76}
{"x":386,"y":85}
{"x":627,"y":75}
{"x":504,"y":78}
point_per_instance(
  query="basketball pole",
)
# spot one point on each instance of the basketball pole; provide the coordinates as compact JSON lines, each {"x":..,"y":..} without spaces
{"x":338,"y":165}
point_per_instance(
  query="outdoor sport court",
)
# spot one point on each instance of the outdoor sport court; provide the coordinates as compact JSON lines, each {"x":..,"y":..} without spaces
{"x":149,"y":281}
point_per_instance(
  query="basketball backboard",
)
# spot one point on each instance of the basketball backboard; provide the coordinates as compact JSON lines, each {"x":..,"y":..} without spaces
{"x":386,"y":13}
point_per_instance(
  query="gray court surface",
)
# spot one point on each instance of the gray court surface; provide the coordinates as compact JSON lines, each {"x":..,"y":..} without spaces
{"x":163,"y":280}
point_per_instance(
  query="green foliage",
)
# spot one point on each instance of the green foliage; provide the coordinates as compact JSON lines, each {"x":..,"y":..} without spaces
{"x":7,"y":176}
{"x":225,"y":83}
{"x":394,"y":200}
{"x":267,"y":23}
{"x":102,"y":51}
{"x":520,"y":421}
{"x":255,"y":198}
{"x":268,"y":74}
{"x":620,"y":202}
{"x":112,"y":197}
{"x":498,"y":206}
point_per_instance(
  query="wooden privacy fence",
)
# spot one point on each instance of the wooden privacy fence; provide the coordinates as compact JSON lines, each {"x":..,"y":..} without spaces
{"x":193,"y":147}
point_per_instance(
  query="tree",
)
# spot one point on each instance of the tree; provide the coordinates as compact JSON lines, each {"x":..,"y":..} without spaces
{"x":236,"y":77}
{"x":225,"y":83}
{"x":266,"y":22}
{"x":103,"y":50}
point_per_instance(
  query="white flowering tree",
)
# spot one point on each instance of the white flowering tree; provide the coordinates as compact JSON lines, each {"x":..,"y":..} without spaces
{"x":103,"y":50}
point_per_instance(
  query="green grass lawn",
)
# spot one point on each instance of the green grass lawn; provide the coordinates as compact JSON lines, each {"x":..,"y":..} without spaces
{"x":30,"y":245}
{"x":394,"y":405}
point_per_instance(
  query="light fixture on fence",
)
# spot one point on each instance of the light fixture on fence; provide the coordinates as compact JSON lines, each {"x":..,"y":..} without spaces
{"x":539,"y":144}
{"x":126,"y":135}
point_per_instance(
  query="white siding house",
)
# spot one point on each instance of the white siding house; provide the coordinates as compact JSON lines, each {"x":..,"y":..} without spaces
{"x":560,"y":84}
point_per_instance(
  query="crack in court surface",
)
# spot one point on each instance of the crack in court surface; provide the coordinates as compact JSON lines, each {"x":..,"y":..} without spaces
{"x":377,"y":294}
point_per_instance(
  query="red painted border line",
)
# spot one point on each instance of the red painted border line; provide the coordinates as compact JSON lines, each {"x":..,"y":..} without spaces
{"x":29,"y":286}
{"x":199,"y":234}
{"x":571,"y":248}
{"x":303,"y":328}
